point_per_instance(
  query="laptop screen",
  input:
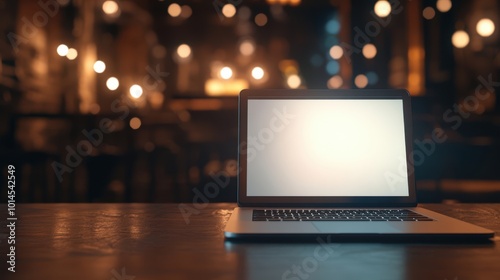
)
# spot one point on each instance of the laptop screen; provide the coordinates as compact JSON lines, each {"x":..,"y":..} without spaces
{"x":326,"y":147}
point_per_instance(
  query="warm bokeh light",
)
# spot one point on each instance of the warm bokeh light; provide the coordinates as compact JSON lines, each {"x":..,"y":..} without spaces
{"x":184,"y":51}
{"x":135,"y":91}
{"x":293,"y":81}
{"x":443,"y":5}
{"x":485,"y":27}
{"x":460,"y":39}
{"x":218,"y":87}
{"x":62,"y":50}
{"x":226,"y":73}
{"x":110,"y":7}
{"x":261,"y":19}
{"x":174,"y":10}
{"x":369,"y":51}
{"x":112,"y":83}
{"x":336,"y":52}
{"x":429,"y":13}
{"x":247,"y":47}
{"x":361,"y":81}
{"x":335,"y":82}
{"x":135,"y":123}
{"x":257,"y":73}
{"x":229,"y":10}
{"x":382,"y":8}
{"x":186,"y":11}
{"x":99,"y":66}
{"x":95,"y":109}
{"x":72,"y":54}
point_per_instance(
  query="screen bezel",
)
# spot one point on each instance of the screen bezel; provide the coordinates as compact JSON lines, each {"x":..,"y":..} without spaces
{"x":324,"y":201}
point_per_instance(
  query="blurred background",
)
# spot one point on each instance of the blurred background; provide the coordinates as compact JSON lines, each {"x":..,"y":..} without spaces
{"x":136,"y":101}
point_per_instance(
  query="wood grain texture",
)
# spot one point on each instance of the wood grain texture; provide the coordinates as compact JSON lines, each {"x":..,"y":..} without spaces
{"x":153,"y":241}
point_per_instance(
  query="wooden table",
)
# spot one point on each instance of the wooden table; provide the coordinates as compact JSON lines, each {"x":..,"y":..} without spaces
{"x":153,"y":241}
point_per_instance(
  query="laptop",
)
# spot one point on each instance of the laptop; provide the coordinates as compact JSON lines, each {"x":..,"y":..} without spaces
{"x":332,"y":162}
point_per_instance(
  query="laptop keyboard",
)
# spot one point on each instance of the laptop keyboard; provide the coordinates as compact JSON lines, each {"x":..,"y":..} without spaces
{"x":375,"y":215}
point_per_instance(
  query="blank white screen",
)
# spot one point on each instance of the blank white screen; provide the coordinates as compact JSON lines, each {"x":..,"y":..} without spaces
{"x":326,"y":148}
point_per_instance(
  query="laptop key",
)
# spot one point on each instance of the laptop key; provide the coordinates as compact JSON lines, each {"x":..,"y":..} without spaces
{"x":338,"y":215}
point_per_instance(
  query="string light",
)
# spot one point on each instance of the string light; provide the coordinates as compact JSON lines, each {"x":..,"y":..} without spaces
{"x":110,"y":7}
{"x":99,"y":66}
{"x":485,"y":27}
{"x":257,"y":73}
{"x":460,"y":39}
{"x":112,"y":83}
{"x":186,"y":11}
{"x":247,"y":47}
{"x":72,"y":54}
{"x":443,"y":5}
{"x":382,"y":8}
{"x":261,"y":19}
{"x":135,"y":123}
{"x":429,"y":13}
{"x":361,"y":81}
{"x":336,"y":52}
{"x":229,"y":10}
{"x":226,"y":73}
{"x":184,"y":51}
{"x":174,"y":10}
{"x":62,"y":50}
{"x":293,"y":81}
{"x":135,"y":91}
{"x":369,"y":51}
{"x":334,"y":82}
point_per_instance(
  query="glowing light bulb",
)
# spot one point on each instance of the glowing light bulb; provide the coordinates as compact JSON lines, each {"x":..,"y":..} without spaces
{"x":485,"y":27}
{"x":135,"y":91}
{"x":174,"y":10}
{"x":247,"y":48}
{"x":361,"y":81}
{"x":293,"y":81}
{"x":382,"y":8}
{"x":443,"y":5}
{"x":261,"y":19}
{"x":257,"y":73}
{"x":112,"y":83}
{"x":99,"y":66}
{"x":135,"y":123}
{"x":110,"y":7}
{"x":369,"y":51}
{"x":335,"y":82}
{"x":226,"y":73}
{"x":184,"y":51}
{"x":62,"y":50}
{"x":460,"y":39}
{"x":72,"y":54}
{"x":336,"y":52}
{"x":229,"y":10}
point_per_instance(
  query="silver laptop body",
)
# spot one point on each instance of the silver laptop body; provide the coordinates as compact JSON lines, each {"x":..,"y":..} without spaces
{"x":330,"y":151}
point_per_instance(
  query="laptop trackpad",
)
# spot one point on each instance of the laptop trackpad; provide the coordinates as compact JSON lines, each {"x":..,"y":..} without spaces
{"x":355,"y":227}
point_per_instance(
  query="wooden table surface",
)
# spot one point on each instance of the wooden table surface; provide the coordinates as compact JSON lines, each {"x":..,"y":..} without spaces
{"x":153,"y":241}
